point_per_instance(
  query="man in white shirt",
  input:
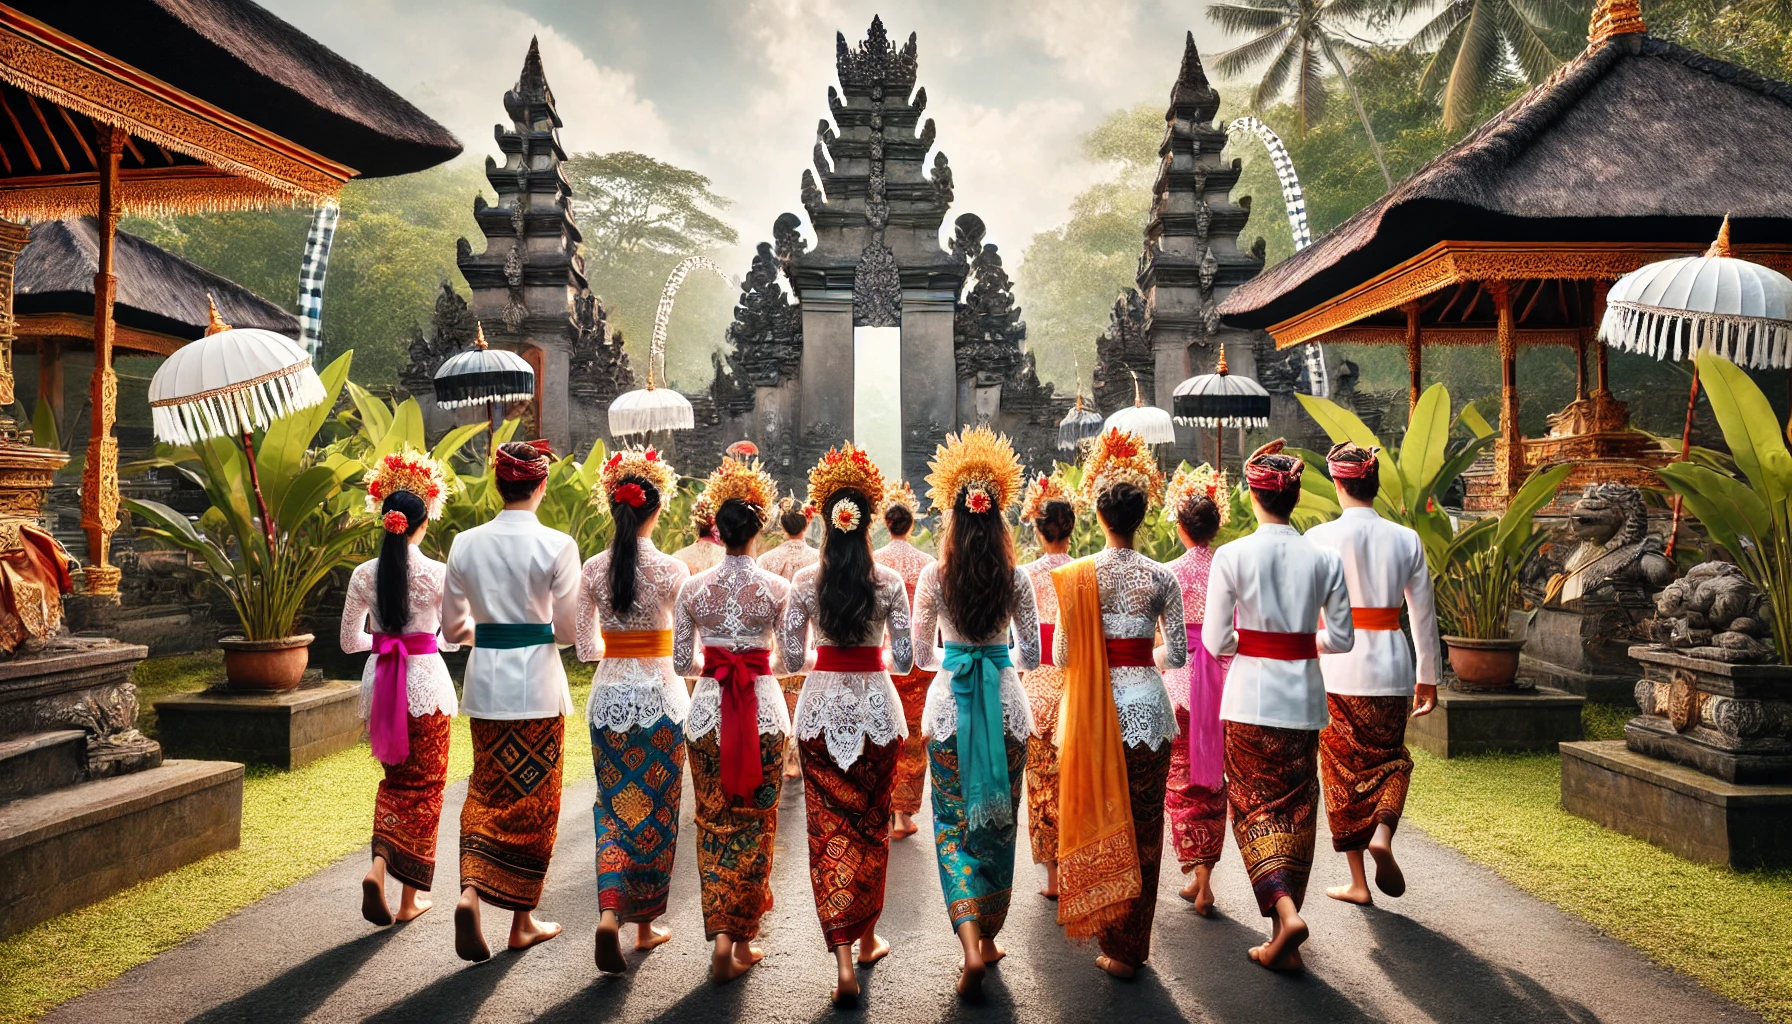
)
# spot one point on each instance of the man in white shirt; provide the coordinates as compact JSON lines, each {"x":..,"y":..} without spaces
{"x":1364,"y":767}
{"x":1265,"y":593}
{"x":511,"y":591}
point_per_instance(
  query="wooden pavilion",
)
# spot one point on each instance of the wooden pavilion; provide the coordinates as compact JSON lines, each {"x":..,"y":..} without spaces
{"x":169,"y":106}
{"x":1632,"y":152}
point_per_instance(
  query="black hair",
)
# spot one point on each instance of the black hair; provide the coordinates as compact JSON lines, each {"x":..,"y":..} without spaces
{"x":795,"y":524}
{"x":625,"y":549}
{"x":977,"y":570}
{"x":392,"y":577}
{"x":847,"y":588}
{"x":899,"y":520}
{"x":738,"y":522}
{"x":1056,"y":522}
{"x":1122,"y":509}
{"x":1279,"y":504}
{"x":1363,"y":488}
{"x":518,"y":490}
{"x":1199,"y":517}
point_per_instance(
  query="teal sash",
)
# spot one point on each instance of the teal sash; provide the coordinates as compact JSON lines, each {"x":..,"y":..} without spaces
{"x":505,"y":636}
{"x":982,"y":754}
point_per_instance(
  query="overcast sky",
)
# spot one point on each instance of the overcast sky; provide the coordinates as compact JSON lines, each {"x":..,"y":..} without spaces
{"x":734,"y":88}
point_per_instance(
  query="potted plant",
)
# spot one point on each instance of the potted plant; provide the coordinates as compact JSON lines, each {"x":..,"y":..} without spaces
{"x":1479,"y":587}
{"x":268,"y":574}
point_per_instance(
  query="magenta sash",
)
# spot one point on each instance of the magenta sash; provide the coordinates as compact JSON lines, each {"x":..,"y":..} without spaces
{"x":388,"y":725}
{"x":1206,"y":684}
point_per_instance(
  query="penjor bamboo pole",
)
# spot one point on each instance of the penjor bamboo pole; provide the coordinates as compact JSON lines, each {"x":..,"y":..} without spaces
{"x":1692,"y":405}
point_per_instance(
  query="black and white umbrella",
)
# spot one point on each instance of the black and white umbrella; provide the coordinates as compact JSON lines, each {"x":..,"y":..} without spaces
{"x":483,"y":376}
{"x":1078,"y":425}
{"x":1221,"y":399}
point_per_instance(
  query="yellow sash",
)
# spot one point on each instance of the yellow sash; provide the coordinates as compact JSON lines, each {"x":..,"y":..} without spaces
{"x":1098,"y":857}
{"x":638,"y":643}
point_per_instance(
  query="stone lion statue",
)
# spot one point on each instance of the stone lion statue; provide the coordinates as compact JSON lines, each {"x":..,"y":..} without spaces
{"x":1714,"y":611}
{"x":1615,"y":546}
{"x":34,"y":574}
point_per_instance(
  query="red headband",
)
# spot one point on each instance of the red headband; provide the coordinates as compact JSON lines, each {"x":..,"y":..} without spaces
{"x":509,"y":467}
{"x":1348,"y":461}
{"x":1261,"y":474}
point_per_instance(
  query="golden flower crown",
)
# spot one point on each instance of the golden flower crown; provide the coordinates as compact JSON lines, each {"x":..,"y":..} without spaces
{"x":703,"y":514}
{"x":1043,"y":491}
{"x":1117,"y":457}
{"x":408,"y":470}
{"x":982,"y":464}
{"x":843,"y":468}
{"x":740,"y":480}
{"x":640,"y":463}
{"x":1202,"y":481}
{"x":901,"y":494}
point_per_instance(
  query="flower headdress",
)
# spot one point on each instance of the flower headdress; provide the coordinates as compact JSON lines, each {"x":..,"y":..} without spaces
{"x":740,"y":480}
{"x":842,"y":468}
{"x":981,"y":464}
{"x":1202,"y":481}
{"x":1043,"y":491}
{"x":408,"y":470}
{"x":900,"y":493}
{"x":639,"y":463}
{"x":789,"y":503}
{"x":1117,"y":457}
{"x":703,"y":515}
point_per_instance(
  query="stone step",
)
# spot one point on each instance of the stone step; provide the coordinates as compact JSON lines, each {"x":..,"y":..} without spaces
{"x":41,"y":761}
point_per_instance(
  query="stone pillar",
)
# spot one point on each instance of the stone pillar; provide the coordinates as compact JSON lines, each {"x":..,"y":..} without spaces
{"x":929,"y":374}
{"x":827,"y":365}
{"x":99,"y":480}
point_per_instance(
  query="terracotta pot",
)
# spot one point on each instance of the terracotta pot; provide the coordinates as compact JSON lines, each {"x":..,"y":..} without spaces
{"x":1484,"y":664}
{"x":266,"y":664}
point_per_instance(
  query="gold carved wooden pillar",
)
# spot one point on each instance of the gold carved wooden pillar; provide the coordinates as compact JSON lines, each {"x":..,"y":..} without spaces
{"x":12,"y":240}
{"x":1511,"y":443}
{"x":1600,"y":289}
{"x":99,"y":480}
{"x":1413,"y":341}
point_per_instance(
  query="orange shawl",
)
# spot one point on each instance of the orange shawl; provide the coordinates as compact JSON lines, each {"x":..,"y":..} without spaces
{"x":1098,"y":858}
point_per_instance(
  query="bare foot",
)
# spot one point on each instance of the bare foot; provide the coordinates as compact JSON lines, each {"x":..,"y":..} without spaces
{"x":526,"y":931}
{"x":970,"y":980}
{"x":1351,"y":893}
{"x":469,"y":942}
{"x":373,"y":899}
{"x":647,"y":936}
{"x":902,"y":826}
{"x":1282,"y":951}
{"x":725,"y":963}
{"x":875,"y":951}
{"x":412,"y":905}
{"x":846,"y":987}
{"x":991,"y":953}
{"x":1050,"y":891}
{"x":609,"y":946}
{"x":747,"y":953}
{"x":1388,"y":876}
{"x":1115,"y":967}
{"x":1198,"y":890}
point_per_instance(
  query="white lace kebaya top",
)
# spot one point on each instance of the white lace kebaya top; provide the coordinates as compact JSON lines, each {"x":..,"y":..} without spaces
{"x":939,"y":718}
{"x":631,"y":692}
{"x":735,"y":605}
{"x":1136,"y":595}
{"x":852,"y":708}
{"x":429,"y":689}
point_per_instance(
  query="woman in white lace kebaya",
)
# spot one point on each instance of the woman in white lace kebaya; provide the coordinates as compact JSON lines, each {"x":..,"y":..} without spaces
{"x":638,"y":705}
{"x":786,"y":560}
{"x":735,"y":734}
{"x":977,"y":718}
{"x":394,"y":608}
{"x":900,"y":510}
{"x":849,"y":724}
{"x":1051,"y":507}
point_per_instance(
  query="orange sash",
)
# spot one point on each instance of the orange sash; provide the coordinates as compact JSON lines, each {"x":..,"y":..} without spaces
{"x":1098,"y":857}
{"x":1375,"y":618}
{"x":638,"y":643}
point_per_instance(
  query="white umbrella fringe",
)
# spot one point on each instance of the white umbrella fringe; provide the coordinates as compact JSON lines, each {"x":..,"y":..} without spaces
{"x":1756,"y":342}
{"x":235,"y":411}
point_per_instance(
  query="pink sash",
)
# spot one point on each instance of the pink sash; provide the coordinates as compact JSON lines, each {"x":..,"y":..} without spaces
{"x":1206,"y":684}
{"x":388,"y":725}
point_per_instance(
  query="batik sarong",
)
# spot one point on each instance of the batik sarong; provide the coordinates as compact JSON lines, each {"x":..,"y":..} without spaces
{"x":848,"y":813}
{"x":640,"y":779}
{"x":1197,"y":814}
{"x":1364,"y":766}
{"x":1044,"y":686}
{"x":1128,"y":940}
{"x":512,"y":811}
{"x":1273,"y":786}
{"x":911,"y":764}
{"x":735,"y":836}
{"x":792,"y":686}
{"x":407,"y":811}
{"x":976,"y":864}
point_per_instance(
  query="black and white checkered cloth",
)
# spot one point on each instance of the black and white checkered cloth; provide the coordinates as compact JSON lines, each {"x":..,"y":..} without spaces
{"x":311,"y":276}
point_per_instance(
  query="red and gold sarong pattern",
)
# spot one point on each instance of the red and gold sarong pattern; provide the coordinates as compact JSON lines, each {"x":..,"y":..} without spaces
{"x":512,"y":812}
{"x":1128,"y":940}
{"x":1197,"y":814}
{"x":848,"y":813}
{"x":735,"y":837}
{"x":911,"y":764}
{"x":1273,"y":786}
{"x":1364,"y":766}
{"x":1045,"y":686}
{"x":407,"y":811}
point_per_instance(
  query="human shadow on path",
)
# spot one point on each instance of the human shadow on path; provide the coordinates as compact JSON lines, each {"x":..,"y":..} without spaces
{"x":1450,"y":982}
{"x":453,"y":998}
{"x":602,"y":999}
{"x":291,"y":996}
{"x":1228,"y":986}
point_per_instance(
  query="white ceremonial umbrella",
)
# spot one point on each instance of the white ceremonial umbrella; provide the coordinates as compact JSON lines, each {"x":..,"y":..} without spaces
{"x":232,"y":382}
{"x":1219,"y":400}
{"x":654,"y":408}
{"x":1147,"y":421}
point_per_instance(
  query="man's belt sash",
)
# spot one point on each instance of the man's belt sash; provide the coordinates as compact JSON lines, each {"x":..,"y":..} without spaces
{"x":1130,"y":652}
{"x":505,"y":636}
{"x":1375,"y":618}
{"x":1047,"y":633}
{"x":738,"y":672}
{"x":1258,"y":643}
{"x":638,"y":643}
{"x":849,"y":659}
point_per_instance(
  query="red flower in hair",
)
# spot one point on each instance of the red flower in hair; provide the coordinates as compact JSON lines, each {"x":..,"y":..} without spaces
{"x":614,"y":461}
{"x":652,"y":455}
{"x":396,"y":522}
{"x":631,"y":495}
{"x":977,"y":501}
{"x":834,"y":455}
{"x":859,"y":456}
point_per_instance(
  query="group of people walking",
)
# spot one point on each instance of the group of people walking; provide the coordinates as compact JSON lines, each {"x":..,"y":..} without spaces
{"x":1111,"y":691}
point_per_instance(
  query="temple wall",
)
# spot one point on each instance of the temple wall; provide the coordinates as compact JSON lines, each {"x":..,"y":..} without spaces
{"x":929,"y":392}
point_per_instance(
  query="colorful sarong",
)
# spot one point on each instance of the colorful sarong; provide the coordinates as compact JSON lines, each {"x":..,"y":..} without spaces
{"x":512,"y":811}
{"x":1364,"y":766}
{"x":1128,"y":939}
{"x":640,"y":779}
{"x":407,"y":811}
{"x":1197,"y":814}
{"x":1045,"y":686}
{"x":911,"y":764}
{"x":976,"y":864}
{"x":1273,"y":787}
{"x":849,"y":835}
{"x":735,"y":837}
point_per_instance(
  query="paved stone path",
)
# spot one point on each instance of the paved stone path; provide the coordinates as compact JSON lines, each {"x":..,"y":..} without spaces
{"x":1461,"y":946}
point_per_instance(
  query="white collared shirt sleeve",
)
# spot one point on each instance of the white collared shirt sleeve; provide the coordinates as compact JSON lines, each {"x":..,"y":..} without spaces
{"x":1339,"y":634}
{"x":1218,"y":634}
{"x":563,"y":583}
{"x":457,"y":614}
{"x":1421,"y":611}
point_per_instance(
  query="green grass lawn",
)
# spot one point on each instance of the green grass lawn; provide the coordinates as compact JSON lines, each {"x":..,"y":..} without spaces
{"x":159,"y":678}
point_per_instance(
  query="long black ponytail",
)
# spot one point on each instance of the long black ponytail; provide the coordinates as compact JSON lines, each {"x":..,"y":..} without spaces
{"x":392,"y":579}
{"x":625,"y":549}
{"x":847,"y":589}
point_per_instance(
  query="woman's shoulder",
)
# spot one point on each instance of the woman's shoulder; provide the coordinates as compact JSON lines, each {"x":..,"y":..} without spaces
{"x":887,"y":576}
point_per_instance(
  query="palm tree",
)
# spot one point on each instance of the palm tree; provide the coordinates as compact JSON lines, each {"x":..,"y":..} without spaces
{"x":1475,"y":44}
{"x":1297,"y":38}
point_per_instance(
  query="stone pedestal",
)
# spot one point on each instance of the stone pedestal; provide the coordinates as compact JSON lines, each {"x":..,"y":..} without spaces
{"x":1479,"y":723}
{"x":1583,"y":651}
{"x":1678,"y":808}
{"x":287,"y":730}
{"x":1732,"y":722}
{"x":82,"y":684}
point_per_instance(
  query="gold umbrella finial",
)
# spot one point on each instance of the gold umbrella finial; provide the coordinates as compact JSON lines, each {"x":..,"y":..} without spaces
{"x":1721,"y":247}
{"x":479,"y":336}
{"x":1221,"y":368}
{"x":1614,"y":18}
{"x":1138,"y":394}
{"x":217,"y":324}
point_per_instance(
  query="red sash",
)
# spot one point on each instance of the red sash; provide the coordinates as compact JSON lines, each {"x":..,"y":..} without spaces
{"x":1375,"y":618}
{"x":849,"y":659}
{"x":1131,"y":652}
{"x":1047,"y":632}
{"x":738,"y":735}
{"x":1257,"y":643}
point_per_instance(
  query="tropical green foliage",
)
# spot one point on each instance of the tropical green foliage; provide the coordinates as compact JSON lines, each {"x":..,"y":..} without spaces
{"x":1745,"y":510}
{"x":316,"y":520}
{"x":1479,"y":47}
{"x":1479,"y":584}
